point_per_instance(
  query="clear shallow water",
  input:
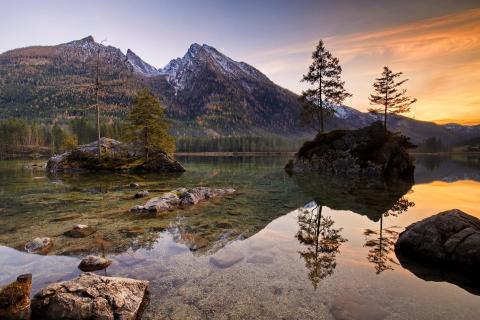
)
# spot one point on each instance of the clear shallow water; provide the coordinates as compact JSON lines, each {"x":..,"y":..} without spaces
{"x":252,"y":255}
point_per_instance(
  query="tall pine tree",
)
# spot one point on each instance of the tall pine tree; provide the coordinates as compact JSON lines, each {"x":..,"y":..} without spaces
{"x":148,"y":126}
{"x":327,"y":88}
{"x":389,"y":95}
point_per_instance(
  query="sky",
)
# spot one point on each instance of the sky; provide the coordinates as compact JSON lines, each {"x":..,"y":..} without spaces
{"x":435,"y":43}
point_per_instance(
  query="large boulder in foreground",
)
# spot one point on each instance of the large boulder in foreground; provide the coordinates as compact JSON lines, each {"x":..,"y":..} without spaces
{"x":450,"y":238}
{"x":91,"y":297}
{"x":365,"y":152}
{"x":181,"y":197}
{"x":116,"y":156}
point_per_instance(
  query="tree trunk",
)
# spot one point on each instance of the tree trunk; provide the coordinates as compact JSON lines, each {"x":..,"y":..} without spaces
{"x":146,"y":144}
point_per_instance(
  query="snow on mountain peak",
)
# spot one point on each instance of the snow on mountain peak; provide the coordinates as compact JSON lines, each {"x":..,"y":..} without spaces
{"x":139,"y":66}
{"x":177,"y":69}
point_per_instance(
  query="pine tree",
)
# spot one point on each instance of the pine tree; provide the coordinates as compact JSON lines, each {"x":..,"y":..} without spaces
{"x":148,"y":126}
{"x":389,"y":95}
{"x":328,"y":88}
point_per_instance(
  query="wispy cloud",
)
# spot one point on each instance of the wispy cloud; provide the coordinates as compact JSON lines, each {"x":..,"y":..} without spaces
{"x":440,"y":55}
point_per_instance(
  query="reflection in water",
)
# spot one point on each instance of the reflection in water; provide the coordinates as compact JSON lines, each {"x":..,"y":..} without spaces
{"x":368,"y":197}
{"x":322,"y":243}
{"x":382,"y":243}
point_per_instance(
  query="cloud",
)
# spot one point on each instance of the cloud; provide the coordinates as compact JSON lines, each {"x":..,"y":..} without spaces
{"x":440,"y":56}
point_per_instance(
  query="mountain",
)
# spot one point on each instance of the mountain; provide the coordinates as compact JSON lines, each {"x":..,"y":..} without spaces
{"x":205,"y":92}
{"x":418,"y":131}
{"x":228,"y":96}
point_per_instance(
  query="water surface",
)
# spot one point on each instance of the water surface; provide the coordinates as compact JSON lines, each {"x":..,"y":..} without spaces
{"x":305,"y":247}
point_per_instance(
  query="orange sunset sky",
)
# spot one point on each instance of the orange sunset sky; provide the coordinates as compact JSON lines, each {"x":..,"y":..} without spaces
{"x":440,"y":56}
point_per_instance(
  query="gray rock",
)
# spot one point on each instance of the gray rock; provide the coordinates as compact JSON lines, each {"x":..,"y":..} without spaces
{"x":451,"y":237}
{"x":39,"y":245}
{"x":181,"y":197}
{"x":79,"y":231}
{"x":91,"y":297}
{"x":226,"y":259}
{"x":94,"y":263}
{"x":134,"y":185}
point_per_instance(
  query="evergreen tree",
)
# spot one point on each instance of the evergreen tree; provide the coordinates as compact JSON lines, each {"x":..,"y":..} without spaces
{"x":389,"y":95}
{"x":328,"y":88}
{"x":148,"y":126}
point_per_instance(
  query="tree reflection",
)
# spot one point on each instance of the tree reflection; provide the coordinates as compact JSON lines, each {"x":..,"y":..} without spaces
{"x":382,"y":243}
{"x":322,"y":243}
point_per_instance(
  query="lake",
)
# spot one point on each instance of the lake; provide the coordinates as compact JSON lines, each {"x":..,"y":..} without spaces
{"x":281,"y":247}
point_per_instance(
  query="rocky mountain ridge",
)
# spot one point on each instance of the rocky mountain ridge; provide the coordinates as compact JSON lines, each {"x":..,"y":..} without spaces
{"x":205,"y":92}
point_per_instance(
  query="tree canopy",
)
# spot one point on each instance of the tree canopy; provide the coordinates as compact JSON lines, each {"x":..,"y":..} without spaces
{"x":389,"y":95}
{"x":324,"y":74}
{"x":148,"y":126}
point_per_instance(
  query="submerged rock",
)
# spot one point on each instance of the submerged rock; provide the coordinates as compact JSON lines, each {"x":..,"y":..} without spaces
{"x":39,"y":245}
{"x":94,"y":263}
{"x":180,"y":198}
{"x":141,"y":194}
{"x":91,"y":297}
{"x":365,"y":152}
{"x":79,"y":231}
{"x":450,"y":238}
{"x":15,"y":299}
{"x":116,"y":156}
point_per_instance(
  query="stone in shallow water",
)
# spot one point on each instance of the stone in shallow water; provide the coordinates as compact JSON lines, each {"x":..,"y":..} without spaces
{"x":93,"y":263}
{"x":141,"y":194}
{"x":91,"y":297}
{"x":451,"y":237}
{"x":226,"y":259}
{"x":15,"y":299}
{"x":134,"y":185}
{"x":39,"y":245}
{"x":79,"y":231}
{"x":181,"y":197}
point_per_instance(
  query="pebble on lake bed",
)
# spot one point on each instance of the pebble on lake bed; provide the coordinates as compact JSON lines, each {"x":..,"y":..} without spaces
{"x":94,"y":263}
{"x":141,"y":194}
{"x":79,"y":231}
{"x":39,"y":245}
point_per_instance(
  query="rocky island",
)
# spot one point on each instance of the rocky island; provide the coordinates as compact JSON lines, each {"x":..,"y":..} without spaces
{"x":369,"y":152}
{"x":116,"y":156}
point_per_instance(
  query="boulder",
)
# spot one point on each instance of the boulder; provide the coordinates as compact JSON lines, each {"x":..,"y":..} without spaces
{"x":116,"y":156}
{"x":94,"y":263}
{"x":181,"y":197}
{"x":365,"y":152}
{"x":450,"y":238}
{"x":79,"y":231}
{"x":39,"y":245}
{"x":91,"y":297}
{"x":141,"y":194}
{"x":15,"y":299}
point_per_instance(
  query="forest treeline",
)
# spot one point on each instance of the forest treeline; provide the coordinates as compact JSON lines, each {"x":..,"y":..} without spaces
{"x":20,"y":136}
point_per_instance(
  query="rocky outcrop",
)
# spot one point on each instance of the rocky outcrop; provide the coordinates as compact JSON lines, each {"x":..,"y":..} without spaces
{"x":15,"y":299}
{"x":94,"y":263}
{"x":116,"y":156}
{"x":450,"y":238}
{"x":39,"y":245}
{"x":181,"y":197}
{"x":365,"y":152}
{"x":91,"y":297}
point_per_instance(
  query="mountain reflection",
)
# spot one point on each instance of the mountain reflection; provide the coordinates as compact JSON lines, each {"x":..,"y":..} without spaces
{"x":321,"y":240}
